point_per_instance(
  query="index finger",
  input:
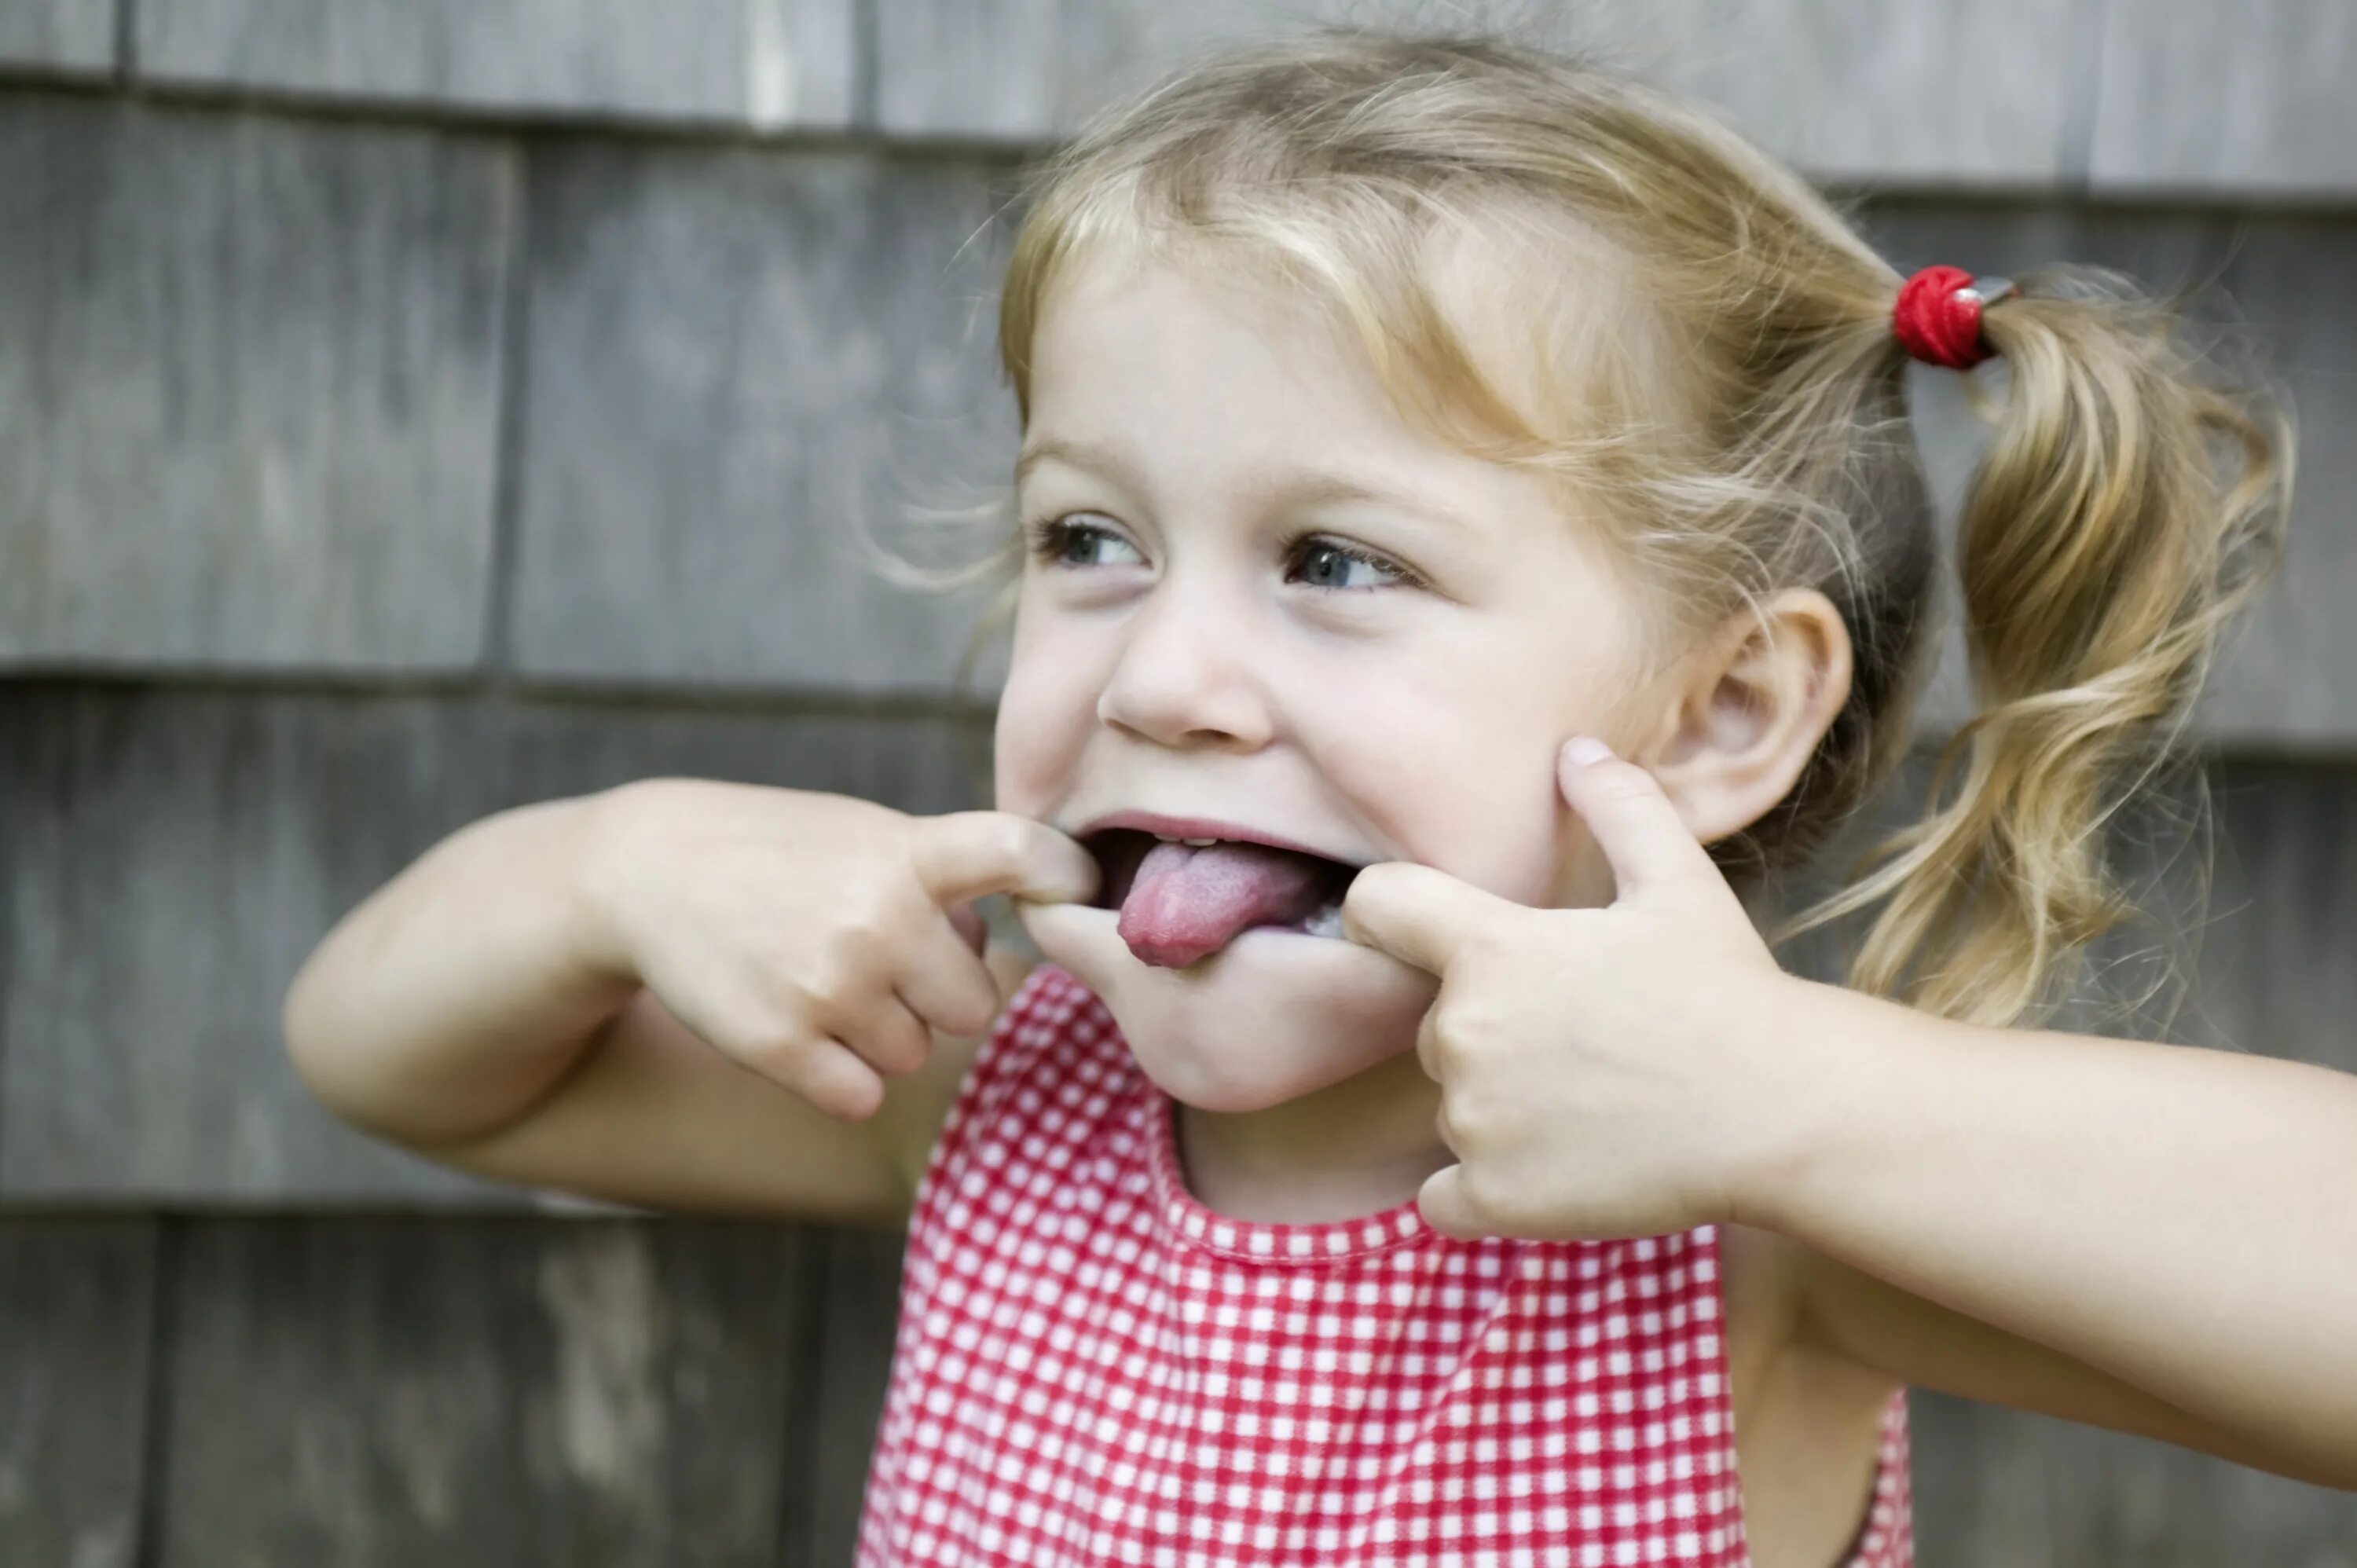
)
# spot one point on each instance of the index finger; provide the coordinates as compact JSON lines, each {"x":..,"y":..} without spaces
{"x":967,"y":855}
{"x":1415,"y":913}
{"x":1648,"y":845}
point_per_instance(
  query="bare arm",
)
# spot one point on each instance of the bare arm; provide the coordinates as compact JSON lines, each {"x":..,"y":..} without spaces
{"x":654,"y":1116}
{"x":1873,"y":1324}
{"x":2158,"y":1237}
{"x":678,"y":994}
{"x":459,"y":994}
{"x":2149,"y":1237}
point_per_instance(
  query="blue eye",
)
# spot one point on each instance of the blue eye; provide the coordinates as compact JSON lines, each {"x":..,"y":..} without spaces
{"x":1328,"y":563}
{"x":1313,"y":560}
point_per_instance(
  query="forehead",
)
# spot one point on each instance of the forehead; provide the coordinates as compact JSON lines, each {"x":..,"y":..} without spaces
{"x":1195,"y":345}
{"x":1169,"y":379}
{"x":1509,"y":336}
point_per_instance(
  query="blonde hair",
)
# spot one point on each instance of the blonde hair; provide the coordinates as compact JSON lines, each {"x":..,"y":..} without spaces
{"x":1743,"y":428}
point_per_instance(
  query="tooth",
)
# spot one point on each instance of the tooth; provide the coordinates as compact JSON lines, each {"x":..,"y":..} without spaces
{"x":1326,"y":922}
{"x":1199,"y":843}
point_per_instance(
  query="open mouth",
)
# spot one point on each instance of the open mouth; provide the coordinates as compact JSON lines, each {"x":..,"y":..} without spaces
{"x":1181,"y":900}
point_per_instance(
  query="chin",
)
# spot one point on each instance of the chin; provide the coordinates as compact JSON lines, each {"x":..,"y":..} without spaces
{"x":1271,"y":1016}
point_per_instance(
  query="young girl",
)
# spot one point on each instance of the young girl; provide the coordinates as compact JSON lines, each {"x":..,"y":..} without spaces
{"x":1405,"y":425}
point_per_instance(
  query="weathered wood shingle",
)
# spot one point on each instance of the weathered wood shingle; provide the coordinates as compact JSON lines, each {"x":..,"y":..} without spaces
{"x":1978,"y":93}
{"x":76,"y":1321}
{"x":385,"y":1393}
{"x":743,"y":366}
{"x":2002,"y":1488}
{"x":176,"y":855}
{"x":68,"y":38}
{"x":2251,"y":99}
{"x":763,"y":65}
{"x":253,"y":386}
{"x":858,"y":1314}
{"x":249,"y":376}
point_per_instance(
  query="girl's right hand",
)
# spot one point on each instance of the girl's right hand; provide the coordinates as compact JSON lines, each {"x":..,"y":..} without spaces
{"x":818,"y":939}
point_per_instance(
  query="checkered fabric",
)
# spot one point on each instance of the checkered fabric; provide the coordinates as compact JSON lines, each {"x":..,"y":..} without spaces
{"x":1093,"y":1368}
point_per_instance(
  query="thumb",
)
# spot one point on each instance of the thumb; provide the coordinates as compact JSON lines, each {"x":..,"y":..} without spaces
{"x":967,"y":854}
{"x":1414,"y":913}
{"x":1649,"y":845}
{"x":1445,"y":1209}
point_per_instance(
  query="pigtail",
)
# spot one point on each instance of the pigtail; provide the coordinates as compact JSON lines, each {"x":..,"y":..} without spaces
{"x":1740,"y":427}
{"x":2127,"y":505}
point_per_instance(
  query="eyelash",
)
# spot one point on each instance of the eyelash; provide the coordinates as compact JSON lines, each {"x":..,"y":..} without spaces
{"x":1051,"y":537}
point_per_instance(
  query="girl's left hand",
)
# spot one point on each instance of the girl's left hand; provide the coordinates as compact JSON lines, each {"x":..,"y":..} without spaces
{"x":1623,"y":1071}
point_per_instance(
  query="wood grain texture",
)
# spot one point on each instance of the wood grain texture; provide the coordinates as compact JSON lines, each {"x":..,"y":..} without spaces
{"x":2270,"y":943}
{"x":747,"y":372}
{"x":248,"y":388}
{"x":76,"y":1299}
{"x":2267,"y":951}
{"x":2289,"y":678}
{"x":2246,"y":922}
{"x":858,"y":1314}
{"x":1978,"y":92}
{"x":2001,"y":1488}
{"x":763,"y":65}
{"x":67,"y":37}
{"x":178,"y":854}
{"x":382,"y":1393}
{"x":2241,"y":100}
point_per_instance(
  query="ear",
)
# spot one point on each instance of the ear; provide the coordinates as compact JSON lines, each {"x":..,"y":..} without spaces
{"x":1747,"y":709}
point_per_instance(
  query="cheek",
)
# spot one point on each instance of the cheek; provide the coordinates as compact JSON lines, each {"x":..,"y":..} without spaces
{"x":1454,"y":762}
{"x":1464,"y":786}
{"x":1479,"y":805}
{"x":1045,"y":712}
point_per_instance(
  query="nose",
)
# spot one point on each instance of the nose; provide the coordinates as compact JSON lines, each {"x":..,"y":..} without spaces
{"x":1185,"y":677}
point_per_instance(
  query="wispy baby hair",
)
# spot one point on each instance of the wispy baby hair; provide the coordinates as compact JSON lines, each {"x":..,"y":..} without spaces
{"x":1742,"y":428}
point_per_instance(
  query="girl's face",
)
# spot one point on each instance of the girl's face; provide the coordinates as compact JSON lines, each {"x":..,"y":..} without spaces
{"x":1259,"y":599}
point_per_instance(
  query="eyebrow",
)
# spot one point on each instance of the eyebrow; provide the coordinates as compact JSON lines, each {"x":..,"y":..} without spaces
{"x":1089,"y":455}
{"x":1309,"y":489}
{"x":1315,"y":489}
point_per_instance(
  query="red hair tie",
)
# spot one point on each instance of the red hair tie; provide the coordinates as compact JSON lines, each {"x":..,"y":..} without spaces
{"x":1938,"y":316}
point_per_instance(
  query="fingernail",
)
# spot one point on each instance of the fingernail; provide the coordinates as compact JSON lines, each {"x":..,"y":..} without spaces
{"x":1583,"y":749}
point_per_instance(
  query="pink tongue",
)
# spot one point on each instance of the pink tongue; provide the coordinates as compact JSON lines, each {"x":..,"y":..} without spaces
{"x":1186,"y":903}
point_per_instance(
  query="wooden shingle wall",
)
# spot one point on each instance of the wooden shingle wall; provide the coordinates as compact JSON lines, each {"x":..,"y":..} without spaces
{"x":414,"y":407}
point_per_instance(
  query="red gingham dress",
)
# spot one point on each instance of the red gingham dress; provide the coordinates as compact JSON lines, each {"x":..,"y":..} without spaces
{"x":1093,"y":1368}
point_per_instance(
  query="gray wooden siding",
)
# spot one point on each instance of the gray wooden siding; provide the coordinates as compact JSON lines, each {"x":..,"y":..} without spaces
{"x":758,"y":65}
{"x":2252,"y":97}
{"x":369,"y":1395}
{"x":380,"y":1392}
{"x":414,"y":407}
{"x":737,"y":359}
{"x":76,"y":1335}
{"x":384,"y":1391}
{"x":68,"y":38}
{"x":178,"y":853}
{"x":1978,"y":93}
{"x":249,"y":388}
{"x":1995,"y":1489}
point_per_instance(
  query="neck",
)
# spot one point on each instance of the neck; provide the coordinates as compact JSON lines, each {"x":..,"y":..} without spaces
{"x":1354,"y":1148}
